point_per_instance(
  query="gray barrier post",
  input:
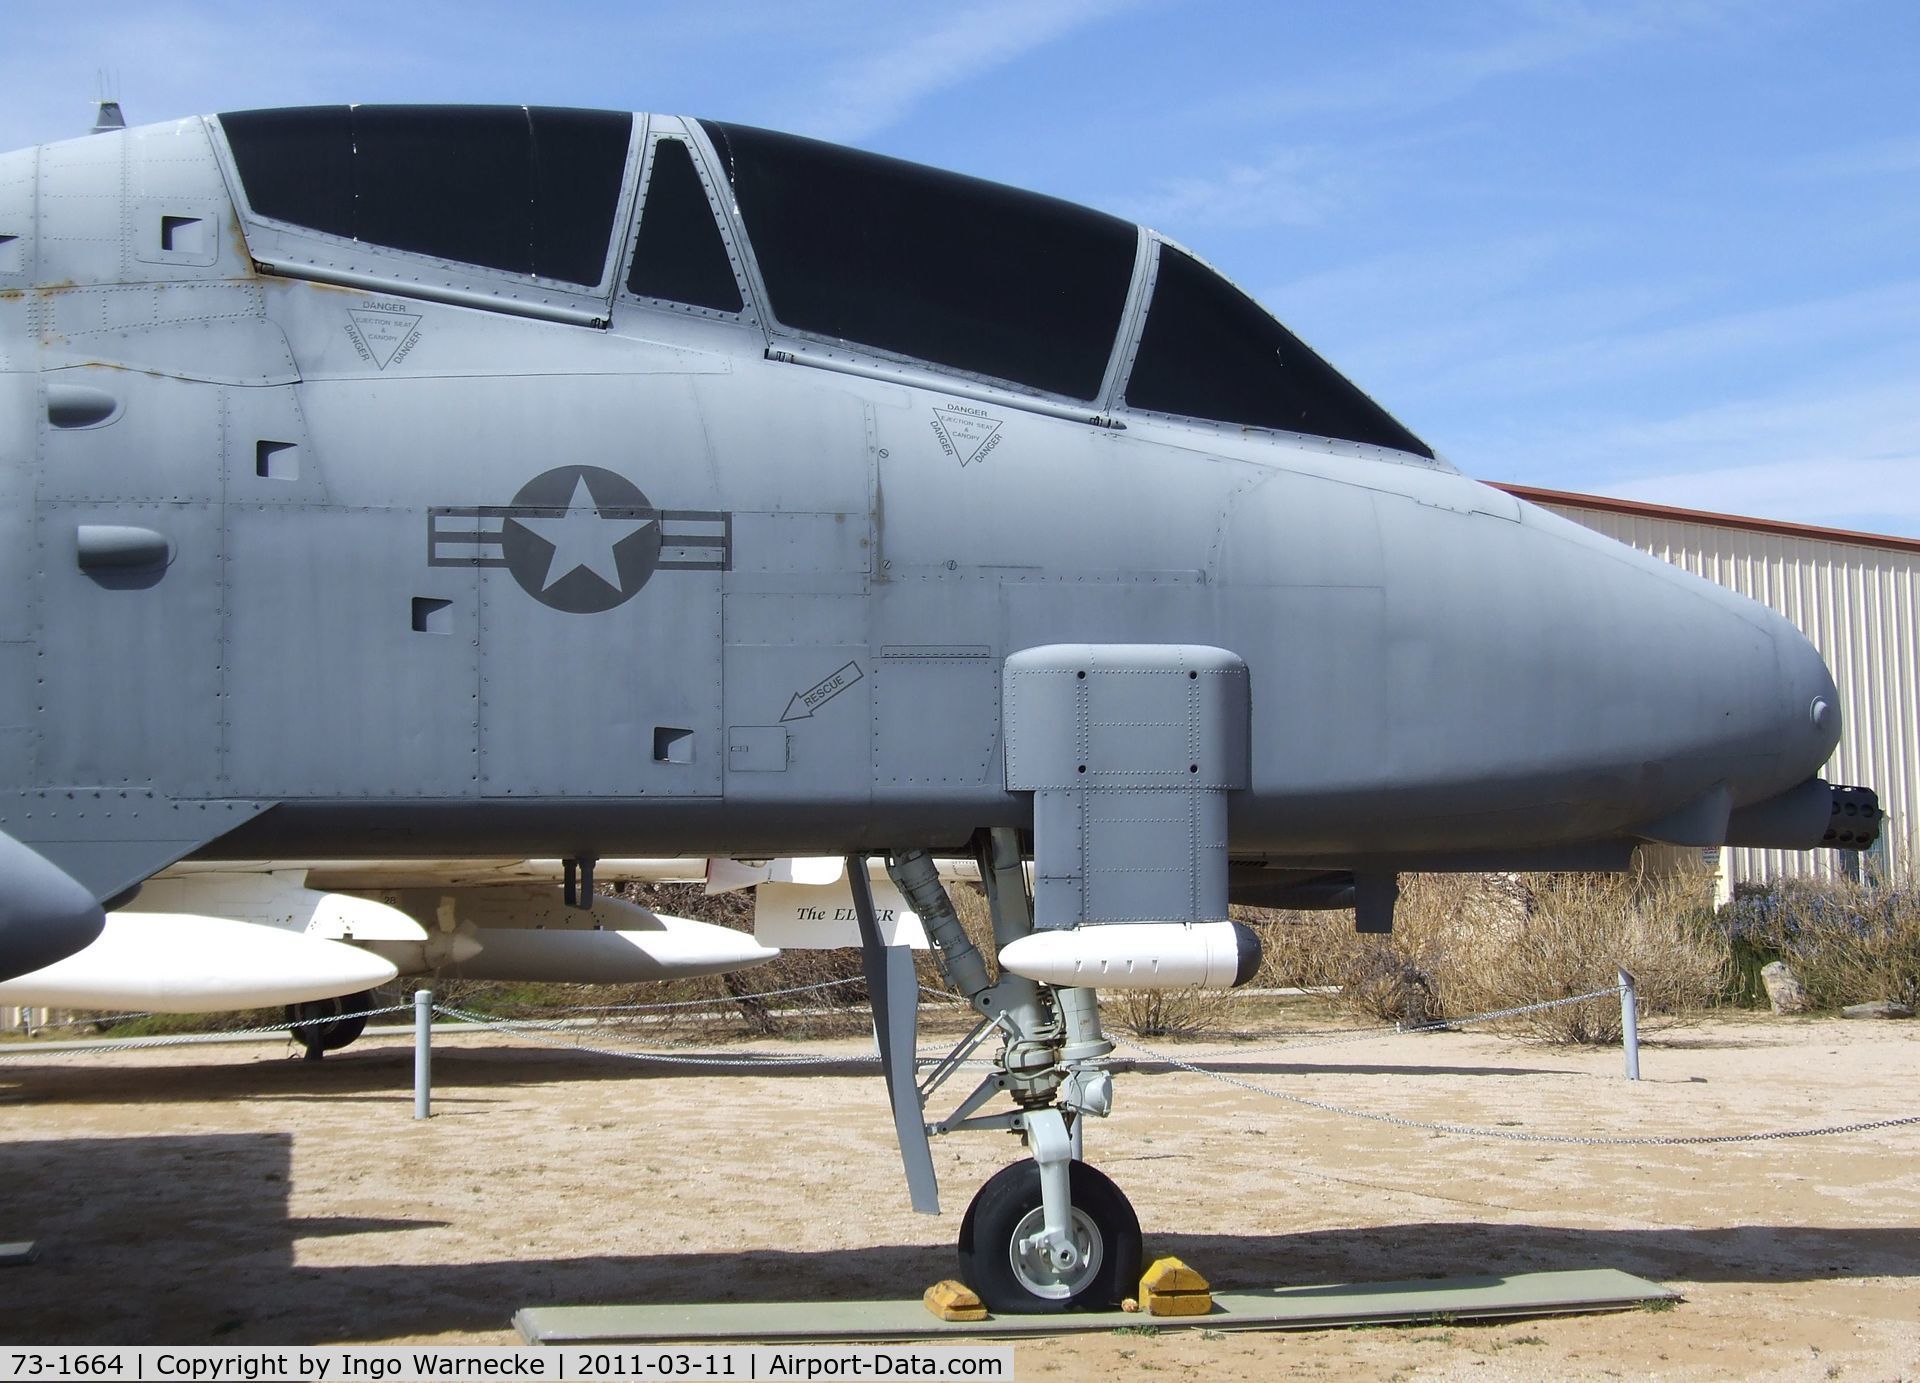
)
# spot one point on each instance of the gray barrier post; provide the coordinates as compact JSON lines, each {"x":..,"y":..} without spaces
{"x":422,"y":1053}
{"x":1630,"y":1025}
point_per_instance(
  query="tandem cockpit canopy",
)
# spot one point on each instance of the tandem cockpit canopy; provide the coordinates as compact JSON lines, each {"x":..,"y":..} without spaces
{"x":865,"y":253}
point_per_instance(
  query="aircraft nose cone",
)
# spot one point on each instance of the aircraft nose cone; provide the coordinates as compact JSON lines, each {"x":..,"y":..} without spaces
{"x":1810,"y":717}
{"x":1725,"y":690}
{"x":1782,"y":716}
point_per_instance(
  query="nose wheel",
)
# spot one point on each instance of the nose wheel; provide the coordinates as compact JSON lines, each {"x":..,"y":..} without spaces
{"x":1006,"y":1258}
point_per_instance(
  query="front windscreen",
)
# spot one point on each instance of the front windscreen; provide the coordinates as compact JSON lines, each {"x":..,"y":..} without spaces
{"x":525,"y":190}
{"x":1209,"y":351}
{"x":928,"y":264}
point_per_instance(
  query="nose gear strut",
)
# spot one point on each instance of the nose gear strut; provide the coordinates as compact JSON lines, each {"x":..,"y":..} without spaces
{"x":1043,"y":1235}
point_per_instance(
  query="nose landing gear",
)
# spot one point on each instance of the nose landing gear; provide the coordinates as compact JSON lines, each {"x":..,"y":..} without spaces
{"x":1047,"y":1234}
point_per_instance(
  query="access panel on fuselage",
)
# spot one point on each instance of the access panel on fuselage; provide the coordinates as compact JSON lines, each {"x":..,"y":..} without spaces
{"x":352,"y":670}
{"x":127,"y":678}
{"x":795,"y":454}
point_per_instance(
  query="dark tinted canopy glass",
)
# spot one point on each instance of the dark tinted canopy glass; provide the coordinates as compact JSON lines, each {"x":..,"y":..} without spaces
{"x":930,"y":264}
{"x":527,"y":190}
{"x":1210,"y":351}
{"x":679,"y":255}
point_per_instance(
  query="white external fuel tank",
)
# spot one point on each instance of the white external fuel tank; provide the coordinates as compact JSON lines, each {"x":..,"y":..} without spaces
{"x":676,"y":948}
{"x":183,"y":963}
{"x":518,"y":933}
{"x":1138,"y":955}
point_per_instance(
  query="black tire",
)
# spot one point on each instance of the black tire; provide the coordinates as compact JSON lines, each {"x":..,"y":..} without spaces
{"x":1104,"y":1223}
{"x":321,"y":1038}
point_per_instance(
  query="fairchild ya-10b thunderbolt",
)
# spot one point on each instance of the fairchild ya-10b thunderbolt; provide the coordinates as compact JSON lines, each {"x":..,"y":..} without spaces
{"x":389,"y":482}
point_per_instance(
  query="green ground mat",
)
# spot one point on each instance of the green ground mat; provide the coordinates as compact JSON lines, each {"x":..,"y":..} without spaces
{"x":1274,"y":1308}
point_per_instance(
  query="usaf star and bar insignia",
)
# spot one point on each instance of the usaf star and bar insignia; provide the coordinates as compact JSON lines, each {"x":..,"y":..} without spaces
{"x":581,"y":539}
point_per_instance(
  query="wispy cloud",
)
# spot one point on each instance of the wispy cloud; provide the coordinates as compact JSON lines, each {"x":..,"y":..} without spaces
{"x":1879,"y":158}
{"x":1314,"y":181}
{"x":1294,"y":185}
{"x":1786,"y":333}
{"x":1878,"y":494}
{"x":1532,"y":37}
{"x":872,"y":91}
{"x":1416,"y":308}
{"x":215,"y":60}
{"x":1831,"y":453}
{"x":1291,"y":187}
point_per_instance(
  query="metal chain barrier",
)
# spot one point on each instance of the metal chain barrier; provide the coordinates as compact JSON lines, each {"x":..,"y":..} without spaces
{"x":550,"y":1032}
{"x":182,"y":1039}
{"x":107,"y":1019}
{"x":720,"y":1002}
{"x":523,"y":1025}
{"x":553,"y":1032}
{"x":1521,"y":1136}
{"x":1338,"y":1037}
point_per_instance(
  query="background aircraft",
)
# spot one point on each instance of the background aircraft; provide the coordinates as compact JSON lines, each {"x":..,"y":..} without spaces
{"x":317,"y":938}
{"x":393,"y":482}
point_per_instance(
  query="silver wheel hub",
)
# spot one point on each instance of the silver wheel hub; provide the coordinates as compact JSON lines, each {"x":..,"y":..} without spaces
{"x":1033,"y":1265}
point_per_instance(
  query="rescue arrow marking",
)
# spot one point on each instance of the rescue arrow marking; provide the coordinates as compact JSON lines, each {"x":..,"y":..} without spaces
{"x":804,"y":704}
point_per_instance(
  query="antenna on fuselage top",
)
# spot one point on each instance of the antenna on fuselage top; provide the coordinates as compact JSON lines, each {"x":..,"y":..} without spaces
{"x":106,"y":109}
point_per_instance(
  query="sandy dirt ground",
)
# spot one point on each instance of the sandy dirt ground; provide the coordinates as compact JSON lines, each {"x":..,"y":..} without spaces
{"x":233,"y":1194}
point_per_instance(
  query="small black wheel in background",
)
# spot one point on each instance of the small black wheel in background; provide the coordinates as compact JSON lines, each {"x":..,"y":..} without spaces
{"x":1000,"y":1258}
{"x":349,"y":1012}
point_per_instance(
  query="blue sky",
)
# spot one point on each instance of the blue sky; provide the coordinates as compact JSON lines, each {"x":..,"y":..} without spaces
{"x":1669,"y":251}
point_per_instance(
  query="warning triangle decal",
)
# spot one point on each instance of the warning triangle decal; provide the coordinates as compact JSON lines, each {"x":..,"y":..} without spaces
{"x":382,"y":334}
{"x":970,"y":436}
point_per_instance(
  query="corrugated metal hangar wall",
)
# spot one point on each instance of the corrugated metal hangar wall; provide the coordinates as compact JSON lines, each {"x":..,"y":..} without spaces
{"x":1857,"y":596}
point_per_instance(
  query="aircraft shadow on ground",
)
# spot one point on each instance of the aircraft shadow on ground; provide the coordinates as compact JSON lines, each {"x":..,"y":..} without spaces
{"x":374,"y":1073}
{"x":1235,"y":1067}
{"x":381,"y":1073}
{"x":220,"y":1205}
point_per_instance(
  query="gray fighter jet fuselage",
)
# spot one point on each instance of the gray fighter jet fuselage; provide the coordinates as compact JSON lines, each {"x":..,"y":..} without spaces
{"x":384,"y":481}
{"x":459,"y":559}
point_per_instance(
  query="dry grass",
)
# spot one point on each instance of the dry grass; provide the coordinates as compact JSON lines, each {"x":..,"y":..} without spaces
{"x":1567,"y":934}
{"x":1168,"y":1012}
{"x":1469,"y":944}
{"x":1847,"y":944}
{"x":1299,"y":950}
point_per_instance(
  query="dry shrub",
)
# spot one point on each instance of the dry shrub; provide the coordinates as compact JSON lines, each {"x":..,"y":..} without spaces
{"x":1567,"y":934}
{"x":1166,"y":1012}
{"x":1847,"y":944}
{"x":1465,"y":944}
{"x":792,"y":1014}
{"x":1388,"y":979}
{"x":1299,"y":950}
